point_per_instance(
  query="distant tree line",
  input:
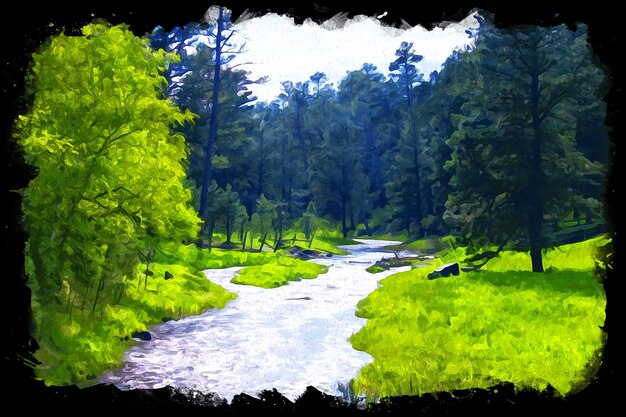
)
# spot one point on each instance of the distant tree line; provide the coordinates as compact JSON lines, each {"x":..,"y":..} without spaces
{"x":505,"y":147}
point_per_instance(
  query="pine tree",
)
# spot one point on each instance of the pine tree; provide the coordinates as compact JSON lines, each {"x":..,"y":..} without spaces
{"x":515,"y":163}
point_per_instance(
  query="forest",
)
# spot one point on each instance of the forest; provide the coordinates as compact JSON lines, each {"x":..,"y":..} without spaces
{"x":155,"y":162}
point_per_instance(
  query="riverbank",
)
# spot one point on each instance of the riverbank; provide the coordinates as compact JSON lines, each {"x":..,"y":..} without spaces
{"x":503,"y":324}
{"x":285,"y":338}
{"x":76,"y":348}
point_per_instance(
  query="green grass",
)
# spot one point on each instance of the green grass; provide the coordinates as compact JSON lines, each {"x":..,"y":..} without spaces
{"x":276,"y":274}
{"x":79,"y":349}
{"x":200,"y":259}
{"x":262,"y":269}
{"x":576,"y":256}
{"x":481,"y":328}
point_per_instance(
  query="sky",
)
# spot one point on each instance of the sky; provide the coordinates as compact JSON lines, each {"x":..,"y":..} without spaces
{"x":278,"y":48}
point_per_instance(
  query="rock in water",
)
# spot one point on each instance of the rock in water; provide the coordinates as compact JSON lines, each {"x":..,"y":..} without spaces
{"x":445,"y":271}
{"x":142,"y":336}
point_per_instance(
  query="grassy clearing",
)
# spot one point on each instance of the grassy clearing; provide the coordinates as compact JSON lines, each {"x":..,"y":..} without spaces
{"x":481,"y":328}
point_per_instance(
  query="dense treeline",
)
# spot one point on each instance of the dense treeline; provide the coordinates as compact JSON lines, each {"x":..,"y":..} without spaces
{"x":505,"y":147}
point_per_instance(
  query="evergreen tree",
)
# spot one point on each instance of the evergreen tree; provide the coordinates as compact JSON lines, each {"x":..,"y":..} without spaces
{"x":515,"y":163}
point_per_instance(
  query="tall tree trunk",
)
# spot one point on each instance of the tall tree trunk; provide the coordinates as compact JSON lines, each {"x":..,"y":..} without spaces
{"x":535,"y":211}
{"x":260,"y":173}
{"x":210,"y":235}
{"x":98,"y":289}
{"x":305,"y":156}
{"x":263,"y":237}
{"x":300,"y":136}
{"x":428,"y":199}
{"x":344,"y":226}
{"x":145,"y":282}
{"x":228,"y":228}
{"x":243,"y":241}
{"x":217,"y":74}
{"x":72,"y":304}
{"x":418,"y":186}
{"x":276,"y":241}
{"x":84,"y":303}
{"x":352,"y":223}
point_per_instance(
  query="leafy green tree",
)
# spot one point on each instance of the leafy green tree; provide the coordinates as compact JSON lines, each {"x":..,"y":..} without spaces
{"x":109,"y":185}
{"x":515,"y":163}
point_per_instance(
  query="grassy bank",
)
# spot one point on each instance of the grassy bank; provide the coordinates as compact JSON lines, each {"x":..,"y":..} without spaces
{"x":504,"y":324}
{"x":262,"y":269}
{"x":78,"y":347}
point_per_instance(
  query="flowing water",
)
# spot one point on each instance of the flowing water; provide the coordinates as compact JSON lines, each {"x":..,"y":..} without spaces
{"x":287,"y":338}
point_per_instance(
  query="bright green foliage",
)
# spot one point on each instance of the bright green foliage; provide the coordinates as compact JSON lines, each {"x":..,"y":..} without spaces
{"x":274,"y":275}
{"x":427,"y":245}
{"x":574,"y":256}
{"x":481,"y":328}
{"x":109,"y":188}
{"x":109,"y":181}
{"x":78,"y":350}
{"x":329,"y":245}
{"x":200,"y":259}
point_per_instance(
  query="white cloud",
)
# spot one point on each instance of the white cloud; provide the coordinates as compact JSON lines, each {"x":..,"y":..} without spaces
{"x":284,"y":51}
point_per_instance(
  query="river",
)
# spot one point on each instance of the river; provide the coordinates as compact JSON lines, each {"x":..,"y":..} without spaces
{"x":287,"y":338}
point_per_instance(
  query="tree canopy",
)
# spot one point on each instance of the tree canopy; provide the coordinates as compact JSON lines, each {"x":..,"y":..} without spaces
{"x":110,"y":172}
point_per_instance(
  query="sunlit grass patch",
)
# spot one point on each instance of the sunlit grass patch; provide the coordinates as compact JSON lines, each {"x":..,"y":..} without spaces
{"x":276,"y":274}
{"x":481,"y":328}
